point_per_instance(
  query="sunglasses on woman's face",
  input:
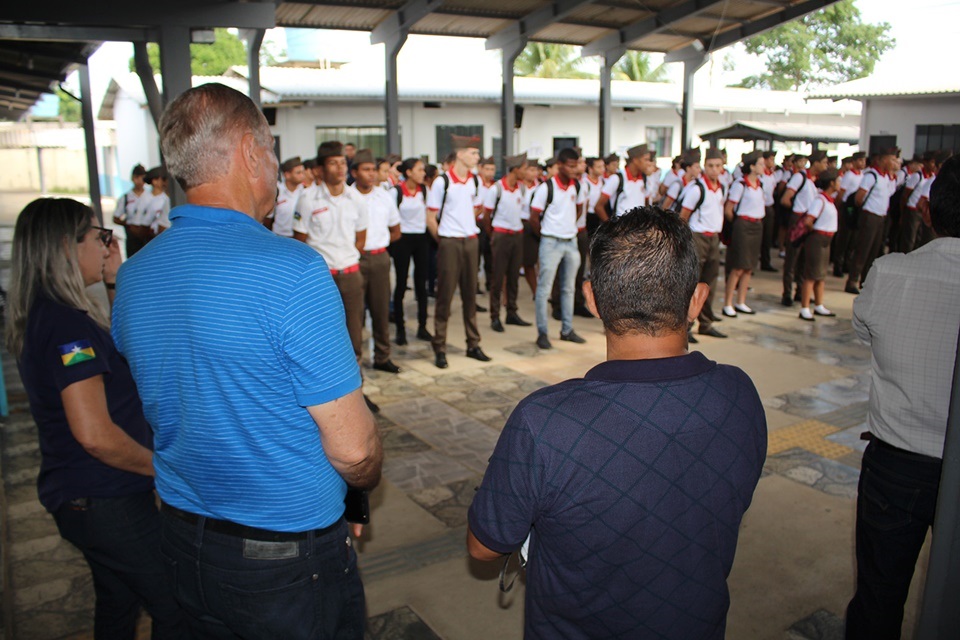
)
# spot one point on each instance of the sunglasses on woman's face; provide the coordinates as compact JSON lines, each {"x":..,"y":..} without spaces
{"x":105,"y":235}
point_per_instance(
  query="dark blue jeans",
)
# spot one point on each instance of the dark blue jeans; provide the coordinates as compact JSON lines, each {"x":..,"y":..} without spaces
{"x":120,"y":540}
{"x":895,"y":507}
{"x":231,"y":587}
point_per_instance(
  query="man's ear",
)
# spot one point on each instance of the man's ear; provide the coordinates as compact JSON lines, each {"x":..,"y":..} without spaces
{"x":249,"y":155}
{"x":697,"y":300}
{"x":588,"y":298}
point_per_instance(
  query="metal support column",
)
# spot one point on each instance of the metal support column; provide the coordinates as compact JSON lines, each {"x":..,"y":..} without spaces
{"x":508,"y":114}
{"x":141,"y":61}
{"x":392,"y":48}
{"x":177,"y":78}
{"x":690,"y":68}
{"x":940,"y":616}
{"x":610,"y":58}
{"x":254,"y":42}
{"x":90,"y":140}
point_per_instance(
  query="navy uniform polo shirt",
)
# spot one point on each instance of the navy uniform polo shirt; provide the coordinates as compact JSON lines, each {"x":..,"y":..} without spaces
{"x":632,"y":483}
{"x":62,"y":346}
{"x":231,"y":332}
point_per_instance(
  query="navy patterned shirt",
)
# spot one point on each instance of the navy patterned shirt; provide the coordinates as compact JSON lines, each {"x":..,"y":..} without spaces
{"x":632,"y":483}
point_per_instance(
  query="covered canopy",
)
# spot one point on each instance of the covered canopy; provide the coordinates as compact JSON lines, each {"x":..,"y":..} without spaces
{"x":785,"y":132}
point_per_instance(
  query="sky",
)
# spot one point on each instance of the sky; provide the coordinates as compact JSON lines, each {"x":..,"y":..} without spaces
{"x":925,"y":30}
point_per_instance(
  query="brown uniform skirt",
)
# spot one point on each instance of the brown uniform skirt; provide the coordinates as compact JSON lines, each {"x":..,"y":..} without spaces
{"x":744,"y":250}
{"x":817,"y":249}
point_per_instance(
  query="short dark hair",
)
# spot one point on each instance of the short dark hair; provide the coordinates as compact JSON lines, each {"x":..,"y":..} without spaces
{"x":945,"y":200}
{"x":431,"y":171}
{"x":644,"y":270}
{"x":407,"y":165}
{"x":568,"y":154}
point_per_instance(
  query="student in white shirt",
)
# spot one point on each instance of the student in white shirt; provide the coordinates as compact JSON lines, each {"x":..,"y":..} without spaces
{"x":154,"y":210}
{"x":127,"y":208}
{"x":674,"y":175}
{"x":745,"y":208}
{"x":690,"y":172}
{"x":280,"y":220}
{"x":625,"y":190}
{"x":822,"y":222}
{"x":414,"y":244}
{"x":554,"y":209}
{"x":799,"y":194}
{"x":910,"y":222}
{"x":592,"y":181}
{"x":873,"y":198}
{"x":383,"y":228}
{"x":768,"y":180}
{"x":486,"y":171}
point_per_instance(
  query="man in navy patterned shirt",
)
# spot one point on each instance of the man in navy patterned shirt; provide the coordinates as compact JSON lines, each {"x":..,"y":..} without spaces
{"x":632,"y":481}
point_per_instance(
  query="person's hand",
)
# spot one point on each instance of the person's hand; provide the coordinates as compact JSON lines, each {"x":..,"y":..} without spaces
{"x":113,"y":261}
{"x":356,"y":530}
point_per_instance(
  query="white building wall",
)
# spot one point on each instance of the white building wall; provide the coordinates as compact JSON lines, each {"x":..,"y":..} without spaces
{"x":137,"y":141}
{"x":900,"y":116}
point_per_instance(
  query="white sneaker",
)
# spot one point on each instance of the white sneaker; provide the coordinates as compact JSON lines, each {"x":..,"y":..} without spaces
{"x":742,"y":308}
{"x":729,"y":312}
{"x":821,"y":310}
{"x":806,"y":314}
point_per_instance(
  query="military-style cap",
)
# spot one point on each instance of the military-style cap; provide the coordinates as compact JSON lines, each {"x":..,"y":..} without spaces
{"x":750,"y":159}
{"x":309,"y":164}
{"x":363,"y":156}
{"x":827,"y":176}
{"x":859,"y":155}
{"x":611,"y":158}
{"x":513,"y":162}
{"x":465,"y":142}
{"x":816,"y":155}
{"x":329,"y":149}
{"x":692,"y":155}
{"x":291,"y":163}
{"x":889,"y":151}
{"x":153,"y":174}
{"x":847,"y":159}
{"x":638,"y":151}
{"x":714,"y":154}
{"x":489,"y":160}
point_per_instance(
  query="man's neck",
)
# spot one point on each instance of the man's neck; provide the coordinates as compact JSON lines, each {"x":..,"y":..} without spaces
{"x":461,"y":170}
{"x":644,"y":347}
{"x":291,"y":184}
{"x":138,"y":189}
{"x":510,"y":180}
{"x":363,"y":189}
{"x":335,"y":189}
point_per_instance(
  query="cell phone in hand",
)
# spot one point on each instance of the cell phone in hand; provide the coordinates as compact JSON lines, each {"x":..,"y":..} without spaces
{"x":356,"y":506}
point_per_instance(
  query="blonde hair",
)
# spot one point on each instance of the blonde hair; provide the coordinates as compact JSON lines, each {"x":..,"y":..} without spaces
{"x":44,"y":262}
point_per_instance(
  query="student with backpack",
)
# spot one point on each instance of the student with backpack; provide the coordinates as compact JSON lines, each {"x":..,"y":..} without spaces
{"x":414,"y":244}
{"x":873,"y":198}
{"x":847,"y":229}
{"x":627,"y":189}
{"x":745,"y":208}
{"x":689,"y":173}
{"x":821,"y":222}
{"x":702,"y":208}
{"x":797,"y":198}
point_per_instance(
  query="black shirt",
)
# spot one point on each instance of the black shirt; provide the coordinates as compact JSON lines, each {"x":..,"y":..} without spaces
{"x":63,"y":346}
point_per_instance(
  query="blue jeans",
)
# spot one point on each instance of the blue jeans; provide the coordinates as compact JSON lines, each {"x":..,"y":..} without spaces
{"x":895,"y":507}
{"x":120,"y":540}
{"x":231,"y":587}
{"x":561,"y":255}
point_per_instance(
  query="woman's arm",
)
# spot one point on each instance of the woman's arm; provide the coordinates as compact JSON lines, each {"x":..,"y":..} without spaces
{"x":110,"y":268}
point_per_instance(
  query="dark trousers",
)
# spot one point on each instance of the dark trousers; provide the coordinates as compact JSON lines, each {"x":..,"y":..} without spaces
{"x":791,"y":261}
{"x":766,"y":242}
{"x":120,"y":540}
{"x":708,"y":252}
{"x":415,"y":246}
{"x":486,"y":252}
{"x":895,"y":506}
{"x":134,"y":244}
{"x":910,"y":224}
{"x":232,"y":588}
{"x":845,"y":241}
{"x":457,"y":263}
{"x":870,"y":230}
{"x":375,"y":270}
{"x":351,"y":292}
{"x":507,"y":256}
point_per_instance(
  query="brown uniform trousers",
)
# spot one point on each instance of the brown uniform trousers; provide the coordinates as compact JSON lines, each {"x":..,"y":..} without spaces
{"x":708,"y":252}
{"x":375,"y":269}
{"x":507,"y":256}
{"x":458,"y":260}
{"x":870,"y":235}
{"x":351,"y":292}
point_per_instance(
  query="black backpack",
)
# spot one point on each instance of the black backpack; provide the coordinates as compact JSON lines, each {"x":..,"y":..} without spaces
{"x":549,"y":183}
{"x":803,"y":183}
{"x":422,"y":188}
{"x":677,"y":205}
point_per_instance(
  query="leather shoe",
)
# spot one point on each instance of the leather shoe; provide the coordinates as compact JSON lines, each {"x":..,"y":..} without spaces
{"x":768,"y":268}
{"x":582,"y":311}
{"x":387,"y":366}
{"x":692,"y":339}
{"x":786,"y":301}
{"x":481,"y":308}
{"x":517,"y":320}
{"x":477,"y":354}
{"x":797,"y":297}
{"x":371,"y":404}
{"x":838,"y":272}
{"x":401,"y":336}
{"x":713,"y":333}
{"x":497,"y":326}
{"x":572,"y":337}
{"x":544,"y":342}
{"x":711,"y":315}
{"x":852,"y":288}
{"x":423,"y":334}
{"x":731,"y":314}
{"x":440,"y":360}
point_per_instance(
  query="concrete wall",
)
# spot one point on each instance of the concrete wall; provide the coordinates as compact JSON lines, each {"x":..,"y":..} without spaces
{"x":136,"y":136}
{"x":64,"y":170}
{"x":900,"y":116}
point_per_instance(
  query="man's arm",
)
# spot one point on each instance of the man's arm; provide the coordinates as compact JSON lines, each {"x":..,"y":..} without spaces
{"x":786,"y":199}
{"x":302,"y":237}
{"x":394,"y":233}
{"x":601,"y":207}
{"x":361,"y":240}
{"x":350,"y":439}
{"x":478,"y":550}
{"x":860,"y":197}
{"x":433,"y":225}
{"x":685,"y":214}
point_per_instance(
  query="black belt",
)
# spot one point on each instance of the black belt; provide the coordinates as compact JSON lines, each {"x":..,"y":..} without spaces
{"x":241,"y":530}
{"x":913,"y":455}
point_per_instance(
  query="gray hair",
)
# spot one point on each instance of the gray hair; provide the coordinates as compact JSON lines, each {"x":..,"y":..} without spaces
{"x":44,"y":261}
{"x":200,"y":129}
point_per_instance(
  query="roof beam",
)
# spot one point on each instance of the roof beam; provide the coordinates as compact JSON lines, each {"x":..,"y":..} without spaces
{"x":750,"y":29}
{"x":533,"y":22}
{"x":401,"y":20}
{"x":174,"y":13}
{"x":26,"y":94}
{"x":51,"y":52}
{"x":656,"y":23}
{"x":32,"y":85}
{"x":31,"y":74}
{"x":27,"y":32}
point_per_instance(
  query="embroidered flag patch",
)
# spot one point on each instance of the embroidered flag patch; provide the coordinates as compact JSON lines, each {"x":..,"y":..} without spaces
{"x":76,"y":352}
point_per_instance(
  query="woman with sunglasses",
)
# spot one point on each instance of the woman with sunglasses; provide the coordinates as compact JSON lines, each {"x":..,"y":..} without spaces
{"x":96,"y":470}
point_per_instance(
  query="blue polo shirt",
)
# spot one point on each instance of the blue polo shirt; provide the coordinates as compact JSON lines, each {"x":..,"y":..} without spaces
{"x":632,"y":483}
{"x":62,"y":346}
{"x":231,"y":332}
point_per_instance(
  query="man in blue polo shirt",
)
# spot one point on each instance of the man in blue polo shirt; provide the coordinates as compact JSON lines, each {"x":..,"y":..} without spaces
{"x":237,"y":341}
{"x":631,"y":482}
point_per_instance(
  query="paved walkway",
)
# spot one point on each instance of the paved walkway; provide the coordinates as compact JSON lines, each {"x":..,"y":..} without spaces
{"x":794,"y":569}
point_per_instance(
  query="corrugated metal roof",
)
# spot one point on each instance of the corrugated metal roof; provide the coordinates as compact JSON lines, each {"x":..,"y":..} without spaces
{"x":903,"y":85}
{"x":786,"y":131}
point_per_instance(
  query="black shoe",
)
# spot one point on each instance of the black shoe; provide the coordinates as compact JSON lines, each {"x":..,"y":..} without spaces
{"x":513,"y":318}
{"x":440,"y":360}
{"x":572,"y":337}
{"x":692,"y":339}
{"x":796,"y":296}
{"x":401,"y":336}
{"x":769,"y":268}
{"x":838,"y":272}
{"x":387,"y":366}
{"x":479,"y":289}
{"x":371,"y":404}
{"x":786,"y":300}
{"x":497,"y":326}
{"x":556,"y":313}
{"x":392,"y":318}
{"x":477,"y":354}
{"x":544,"y":342}
{"x":481,"y":308}
{"x":852,"y":288}
{"x":423,"y":334}
{"x":713,"y":333}
{"x":711,"y":316}
{"x":582,"y":311}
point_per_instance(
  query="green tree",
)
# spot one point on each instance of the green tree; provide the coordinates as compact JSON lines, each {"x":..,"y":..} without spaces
{"x":543,"y":60}
{"x":829,"y":46}
{"x":635,"y":66}
{"x":207,"y":59}
{"x":69,"y":106}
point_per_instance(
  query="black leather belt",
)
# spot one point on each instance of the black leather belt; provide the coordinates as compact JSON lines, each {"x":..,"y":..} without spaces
{"x":241,"y":530}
